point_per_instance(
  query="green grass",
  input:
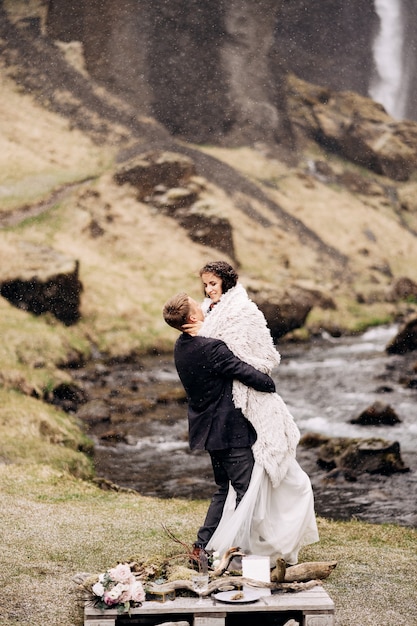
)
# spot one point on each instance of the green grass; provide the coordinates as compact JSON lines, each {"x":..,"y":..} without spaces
{"x":57,"y":526}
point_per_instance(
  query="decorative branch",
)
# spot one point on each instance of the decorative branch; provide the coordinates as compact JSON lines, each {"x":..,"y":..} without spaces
{"x":230,"y":582}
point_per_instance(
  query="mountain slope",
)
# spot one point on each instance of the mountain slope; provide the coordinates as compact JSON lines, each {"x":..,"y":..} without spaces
{"x":292,"y":227}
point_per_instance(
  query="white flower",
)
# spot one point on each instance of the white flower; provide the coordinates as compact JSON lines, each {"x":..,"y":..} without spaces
{"x":98,"y":589}
{"x":216,"y":563}
{"x":116,"y":592}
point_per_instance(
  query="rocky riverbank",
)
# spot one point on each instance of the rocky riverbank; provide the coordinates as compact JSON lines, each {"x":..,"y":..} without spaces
{"x":137,"y":417}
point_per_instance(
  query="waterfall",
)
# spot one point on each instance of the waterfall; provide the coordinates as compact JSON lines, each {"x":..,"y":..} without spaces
{"x":389,"y":86}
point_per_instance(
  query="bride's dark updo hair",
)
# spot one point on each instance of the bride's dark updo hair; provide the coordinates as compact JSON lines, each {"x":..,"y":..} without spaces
{"x":222,"y":270}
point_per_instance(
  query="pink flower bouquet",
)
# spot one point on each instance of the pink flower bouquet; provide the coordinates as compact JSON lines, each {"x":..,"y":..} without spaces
{"x":118,"y":588}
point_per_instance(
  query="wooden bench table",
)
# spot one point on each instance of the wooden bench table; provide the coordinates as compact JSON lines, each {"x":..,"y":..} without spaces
{"x":312,"y":607}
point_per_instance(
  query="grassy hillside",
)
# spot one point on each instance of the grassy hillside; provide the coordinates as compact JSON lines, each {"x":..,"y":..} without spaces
{"x":127,"y":269}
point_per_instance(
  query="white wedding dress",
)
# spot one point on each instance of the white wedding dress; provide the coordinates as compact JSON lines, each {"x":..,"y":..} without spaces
{"x":276,"y":516}
{"x":269,"y":521}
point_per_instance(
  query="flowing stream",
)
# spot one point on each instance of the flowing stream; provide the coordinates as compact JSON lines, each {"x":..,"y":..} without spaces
{"x":325,"y":383}
{"x":342,"y":377}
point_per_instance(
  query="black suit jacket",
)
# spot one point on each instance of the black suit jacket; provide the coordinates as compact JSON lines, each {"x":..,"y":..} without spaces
{"x":206,"y":368}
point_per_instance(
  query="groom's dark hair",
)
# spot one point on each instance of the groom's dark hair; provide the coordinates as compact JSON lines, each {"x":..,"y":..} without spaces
{"x":176,"y":310}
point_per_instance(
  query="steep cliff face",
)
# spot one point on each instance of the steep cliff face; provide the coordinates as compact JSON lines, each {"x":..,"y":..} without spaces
{"x":202,"y":69}
{"x":115,"y":38}
{"x":213,"y":71}
{"x":410,"y":46}
{"x":328,"y":42}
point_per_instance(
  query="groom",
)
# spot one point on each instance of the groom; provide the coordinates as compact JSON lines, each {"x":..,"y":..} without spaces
{"x":207,"y":368}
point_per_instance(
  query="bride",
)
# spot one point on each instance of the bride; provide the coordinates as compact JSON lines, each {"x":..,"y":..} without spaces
{"x":276,"y":516}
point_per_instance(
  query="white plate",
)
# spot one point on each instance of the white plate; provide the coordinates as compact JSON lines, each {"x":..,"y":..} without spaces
{"x":226,"y":596}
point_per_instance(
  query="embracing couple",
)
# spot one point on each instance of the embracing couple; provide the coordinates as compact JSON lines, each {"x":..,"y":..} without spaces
{"x":224,"y":357}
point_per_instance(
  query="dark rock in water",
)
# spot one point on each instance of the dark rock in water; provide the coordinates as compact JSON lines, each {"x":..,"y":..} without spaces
{"x":402,"y":288}
{"x":114,"y":436}
{"x":68,"y":397}
{"x":378,"y":414}
{"x":313,"y":440}
{"x":357,"y":456}
{"x":338,"y":474}
{"x":384,"y":389}
{"x":373,"y":457}
{"x":405,"y":340}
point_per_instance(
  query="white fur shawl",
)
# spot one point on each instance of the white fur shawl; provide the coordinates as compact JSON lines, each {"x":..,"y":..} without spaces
{"x":241,"y":325}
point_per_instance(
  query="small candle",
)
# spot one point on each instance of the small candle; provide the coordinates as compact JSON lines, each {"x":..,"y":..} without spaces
{"x":256,"y":567}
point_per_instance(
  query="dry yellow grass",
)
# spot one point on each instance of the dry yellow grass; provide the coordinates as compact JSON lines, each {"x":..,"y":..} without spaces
{"x":142,"y":257}
{"x":34,"y":158}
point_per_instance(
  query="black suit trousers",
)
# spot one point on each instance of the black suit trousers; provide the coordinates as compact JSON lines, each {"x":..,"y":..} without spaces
{"x":233,"y":465}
